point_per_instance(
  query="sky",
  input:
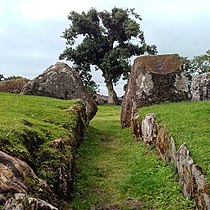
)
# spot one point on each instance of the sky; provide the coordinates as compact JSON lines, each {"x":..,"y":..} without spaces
{"x":30,"y":32}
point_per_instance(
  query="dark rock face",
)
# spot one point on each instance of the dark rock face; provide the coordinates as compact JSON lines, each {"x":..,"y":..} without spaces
{"x":13,"y":86}
{"x":60,"y":81}
{"x":200,"y":88}
{"x":153,"y":79}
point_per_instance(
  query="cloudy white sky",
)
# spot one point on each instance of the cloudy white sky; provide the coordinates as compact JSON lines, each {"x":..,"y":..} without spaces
{"x":30,"y":30}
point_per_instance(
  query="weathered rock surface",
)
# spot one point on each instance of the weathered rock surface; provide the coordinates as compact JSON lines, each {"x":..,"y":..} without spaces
{"x":53,"y":162}
{"x":153,"y":79}
{"x":191,"y":176}
{"x":14,"y":174}
{"x":21,"y":201}
{"x":192,"y":179}
{"x":60,"y":81}
{"x":200,"y":88}
{"x":149,"y":129}
{"x":13,"y":86}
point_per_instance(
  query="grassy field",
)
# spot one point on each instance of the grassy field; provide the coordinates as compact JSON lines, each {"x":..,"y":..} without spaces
{"x":115,"y":172}
{"x":187,"y":122}
{"x":28,"y":124}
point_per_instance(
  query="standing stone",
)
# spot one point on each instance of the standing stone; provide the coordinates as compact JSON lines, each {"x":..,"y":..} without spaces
{"x":60,"y":81}
{"x":153,"y":79}
{"x":200,"y":88}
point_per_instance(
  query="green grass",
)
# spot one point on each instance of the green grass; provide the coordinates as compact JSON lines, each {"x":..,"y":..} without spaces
{"x":188,"y":122}
{"x":116,"y":172}
{"x":28,"y":124}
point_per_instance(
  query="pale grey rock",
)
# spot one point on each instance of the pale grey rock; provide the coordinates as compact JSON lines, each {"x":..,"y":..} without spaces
{"x":173,"y":150}
{"x":149,"y":129}
{"x":200,"y":88}
{"x":22,"y":201}
{"x":184,"y":166}
{"x":60,"y":81}
{"x":192,"y":179}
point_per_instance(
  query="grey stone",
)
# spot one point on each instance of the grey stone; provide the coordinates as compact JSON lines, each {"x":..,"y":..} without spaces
{"x":200,"y":88}
{"x":184,"y":166}
{"x":149,"y":129}
{"x":153,"y":79}
{"x":60,"y":81}
{"x":22,"y":201}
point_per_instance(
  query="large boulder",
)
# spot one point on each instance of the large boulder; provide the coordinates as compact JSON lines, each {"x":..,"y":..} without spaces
{"x":13,"y":85}
{"x":200,"y":88}
{"x":60,"y":81}
{"x":153,"y":79}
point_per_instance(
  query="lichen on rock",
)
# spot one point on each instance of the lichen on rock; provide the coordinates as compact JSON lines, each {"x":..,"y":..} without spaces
{"x":61,"y":81}
{"x":153,"y":79}
{"x":200,"y":88}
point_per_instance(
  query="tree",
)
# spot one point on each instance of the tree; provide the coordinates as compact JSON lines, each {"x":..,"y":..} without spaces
{"x":93,"y":88}
{"x":197,"y":65}
{"x":107,"y":41}
{"x":186,"y":62}
{"x":201,"y":64}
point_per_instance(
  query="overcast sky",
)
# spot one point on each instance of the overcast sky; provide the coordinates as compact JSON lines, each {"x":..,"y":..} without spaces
{"x":30,"y":30}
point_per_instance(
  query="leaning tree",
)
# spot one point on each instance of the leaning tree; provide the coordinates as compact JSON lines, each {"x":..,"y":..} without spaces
{"x":104,"y":41}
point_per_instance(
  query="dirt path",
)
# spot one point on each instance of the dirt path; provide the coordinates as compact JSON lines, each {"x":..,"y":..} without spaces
{"x":115,"y":172}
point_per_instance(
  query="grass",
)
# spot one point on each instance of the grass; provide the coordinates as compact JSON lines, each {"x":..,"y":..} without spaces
{"x":28,"y":125}
{"x":116,"y":172}
{"x":187,"y":122}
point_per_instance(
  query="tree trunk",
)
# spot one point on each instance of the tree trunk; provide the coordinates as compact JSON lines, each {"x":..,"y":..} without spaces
{"x":112,"y":96}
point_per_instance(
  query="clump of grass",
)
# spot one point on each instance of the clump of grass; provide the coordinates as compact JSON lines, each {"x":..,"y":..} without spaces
{"x":187,"y":122}
{"x":115,"y":172}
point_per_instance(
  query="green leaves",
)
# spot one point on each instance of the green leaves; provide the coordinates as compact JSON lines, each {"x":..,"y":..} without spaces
{"x":201,"y":64}
{"x":198,"y":65}
{"x":105,"y":41}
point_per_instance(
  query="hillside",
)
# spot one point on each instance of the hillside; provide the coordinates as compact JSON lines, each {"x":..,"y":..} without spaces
{"x":187,"y":122}
{"x":38,"y":137}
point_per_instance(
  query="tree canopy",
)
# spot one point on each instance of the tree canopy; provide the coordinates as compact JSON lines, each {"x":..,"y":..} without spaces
{"x":201,"y":64}
{"x":105,"y":41}
{"x":197,"y":65}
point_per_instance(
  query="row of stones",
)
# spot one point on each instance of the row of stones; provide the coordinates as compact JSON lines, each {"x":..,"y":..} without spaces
{"x":191,"y":178}
{"x":16,"y":192}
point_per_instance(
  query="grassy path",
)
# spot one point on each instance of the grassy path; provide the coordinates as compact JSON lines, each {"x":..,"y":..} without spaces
{"x":115,"y":172}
